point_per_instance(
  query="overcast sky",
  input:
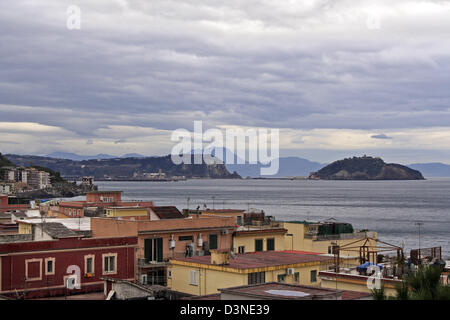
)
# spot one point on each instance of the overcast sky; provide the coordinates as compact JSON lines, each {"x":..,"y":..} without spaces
{"x":338,"y":78}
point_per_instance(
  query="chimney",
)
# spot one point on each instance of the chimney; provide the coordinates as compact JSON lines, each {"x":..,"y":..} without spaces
{"x":220,"y":256}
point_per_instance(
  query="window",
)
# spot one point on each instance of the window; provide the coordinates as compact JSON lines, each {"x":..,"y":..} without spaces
{"x":109,"y":263}
{"x":241,"y":249}
{"x":89,"y":264}
{"x":33,"y":269}
{"x":106,"y":199}
{"x":169,"y":274}
{"x":296,"y":277}
{"x":193,"y":277}
{"x":281,"y":278}
{"x":186,"y":238}
{"x":270,"y":244}
{"x":313,"y":275}
{"x":256,"y":277}
{"x":153,"y":249}
{"x":258,"y":245}
{"x":332,"y":249}
{"x":213,"y":241}
{"x":49,"y":266}
{"x":156,"y":277}
{"x":239,"y":220}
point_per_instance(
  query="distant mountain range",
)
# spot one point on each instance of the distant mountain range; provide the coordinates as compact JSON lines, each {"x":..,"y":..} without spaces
{"x":434,"y":169}
{"x":77,"y":157}
{"x":288,"y":166}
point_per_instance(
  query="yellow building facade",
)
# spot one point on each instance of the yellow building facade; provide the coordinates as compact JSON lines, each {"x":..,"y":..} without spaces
{"x":259,"y":240}
{"x":299,"y":237}
{"x":197,"y":276}
{"x":25,"y":228}
{"x":237,"y":214}
{"x":126,"y":212}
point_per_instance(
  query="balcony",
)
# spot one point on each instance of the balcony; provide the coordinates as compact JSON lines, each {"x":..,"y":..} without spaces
{"x":143,"y":263}
{"x":341,"y":236}
{"x":260,"y":225}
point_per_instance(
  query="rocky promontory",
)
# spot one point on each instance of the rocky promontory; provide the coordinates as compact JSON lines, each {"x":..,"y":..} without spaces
{"x":365,"y":168}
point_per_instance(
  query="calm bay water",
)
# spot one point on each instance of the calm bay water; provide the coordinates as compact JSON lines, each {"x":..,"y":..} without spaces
{"x":389,"y":207}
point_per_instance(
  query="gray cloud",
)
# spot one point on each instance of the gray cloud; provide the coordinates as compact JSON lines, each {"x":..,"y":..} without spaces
{"x":164,"y":64}
{"x":380,"y":136}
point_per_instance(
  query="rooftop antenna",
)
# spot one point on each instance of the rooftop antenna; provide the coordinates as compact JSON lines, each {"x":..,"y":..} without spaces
{"x":187,"y":200}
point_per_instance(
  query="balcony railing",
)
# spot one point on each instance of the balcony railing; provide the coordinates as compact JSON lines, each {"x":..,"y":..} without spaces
{"x":142,"y":262}
{"x":146,"y":263}
{"x":341,"y":236}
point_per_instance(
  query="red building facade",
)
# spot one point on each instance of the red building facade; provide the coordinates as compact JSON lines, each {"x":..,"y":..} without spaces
{"x":98,"y":199}
{"x":11,"y":203}
{"x":65,"y":266}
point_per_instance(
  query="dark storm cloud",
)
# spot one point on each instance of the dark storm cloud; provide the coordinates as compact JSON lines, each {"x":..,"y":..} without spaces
{"x":164,"y":64}
{"x":380,"y":136}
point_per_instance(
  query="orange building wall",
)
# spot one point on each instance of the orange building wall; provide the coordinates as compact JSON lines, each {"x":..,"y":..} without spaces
{"x":108,"y":227}
{"x":95,"y":196}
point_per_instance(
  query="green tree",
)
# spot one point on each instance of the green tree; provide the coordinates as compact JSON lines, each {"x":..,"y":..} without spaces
{"x":424,"y":284}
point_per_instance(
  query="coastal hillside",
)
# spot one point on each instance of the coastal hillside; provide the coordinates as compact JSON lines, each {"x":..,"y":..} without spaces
{"x":4,"y":162}
{"x":434,"y":169}
{"x":365,"y":168}
{"x":59,"y":186}
{"x":124,"y":168}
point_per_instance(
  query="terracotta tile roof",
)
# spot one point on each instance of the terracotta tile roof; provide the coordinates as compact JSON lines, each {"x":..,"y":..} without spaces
{"x":301,"y":252}
{"x":261,"y":259}
{"x":354,"y":295}
{"x":168,"y":212}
